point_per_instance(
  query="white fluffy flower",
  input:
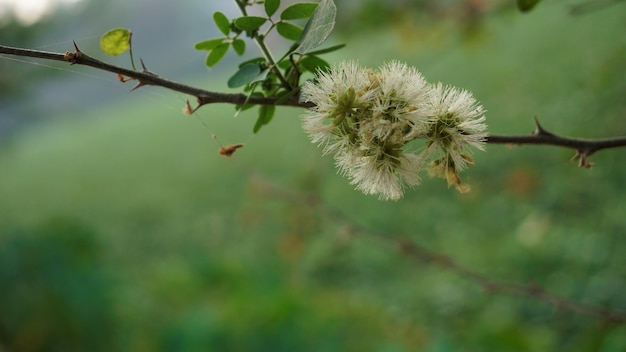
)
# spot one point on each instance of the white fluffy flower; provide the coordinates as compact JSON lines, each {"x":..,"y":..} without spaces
{"x":367,"y":118}
{"x":339,"y":95}
{"x":456,"y":124}
{"x":385,"y":174}
{"x":403,"y":91}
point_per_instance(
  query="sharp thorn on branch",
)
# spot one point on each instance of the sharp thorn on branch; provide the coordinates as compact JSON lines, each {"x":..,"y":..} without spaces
{"x":138,"y":85}
{"x":76,"y":47}
{"x":539,"y":130}
{"x":143,"y":66}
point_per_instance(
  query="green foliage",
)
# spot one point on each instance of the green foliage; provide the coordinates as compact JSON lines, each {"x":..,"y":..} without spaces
{"x":266,"y":113}
{"x":115,"y":42}
{"x":239,"y":45}
{"x":271,"y":6}
{"x":327,"y":50}
{"x":281,"y":79}
{"x":250,"y":23}
{"x":217,"y":54}
{"x":247,"y":73}
{"x":318,"y":28}
{"x":222,"y":22}
{"x":313,"y":63}
{"x":289,"y":30}
{"x":209,"y":44}
{"x":298,"y":11}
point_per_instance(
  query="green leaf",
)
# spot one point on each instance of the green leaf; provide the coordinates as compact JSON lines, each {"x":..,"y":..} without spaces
{"x":289,"y":31}
{"x":209,"y":44}
{"x":222,"y":22}
{"x":298,"y":11}
{"x":318,"y":28}
{"x":271,"y":6}
{"x":250,"y":23}
{"x":526,"y":5}
{"x":216,"y":54}
{"x":257,"y":60}
{"x":313,"y":63}
{"x":115,"y":42}
{"x":266,"y":112}
{"x":239,"y":45}
{"x":284,"y":64}
{"x":247,"y":74}
{"x":327,"y":50}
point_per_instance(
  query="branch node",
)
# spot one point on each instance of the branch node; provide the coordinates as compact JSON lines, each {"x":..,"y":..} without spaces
{"x":70,"y":57}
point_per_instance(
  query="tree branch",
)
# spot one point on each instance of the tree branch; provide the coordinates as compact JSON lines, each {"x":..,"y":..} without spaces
{"x":147,"y":78}
{"x":583,"y":147}
{"x":416,"y":252}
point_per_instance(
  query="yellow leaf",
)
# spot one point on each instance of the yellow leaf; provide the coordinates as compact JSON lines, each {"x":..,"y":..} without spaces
{"x":115,"y":42}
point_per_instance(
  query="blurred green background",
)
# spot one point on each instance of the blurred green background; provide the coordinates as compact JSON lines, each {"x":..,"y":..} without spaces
{"x":121,"y":229}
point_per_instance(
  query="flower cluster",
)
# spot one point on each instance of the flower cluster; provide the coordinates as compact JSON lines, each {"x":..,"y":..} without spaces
{"x":367,"y":119}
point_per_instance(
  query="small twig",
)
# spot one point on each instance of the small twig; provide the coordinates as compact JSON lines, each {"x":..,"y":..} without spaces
{"x":584,"y":147}
{"x":265,"y":50}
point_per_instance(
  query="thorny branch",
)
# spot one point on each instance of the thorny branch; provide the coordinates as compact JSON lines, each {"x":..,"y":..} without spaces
{"x":584,"y":147}
{"x":147,"y":78}
{"x":414,"y":251}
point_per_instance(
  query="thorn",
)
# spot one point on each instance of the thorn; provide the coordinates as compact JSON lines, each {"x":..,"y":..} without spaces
{"x":143,"y":66}
{"x":139,"y":85}
{"x":200,"y":104}
{"x":76,"y":47}
{"x":539,"y":130}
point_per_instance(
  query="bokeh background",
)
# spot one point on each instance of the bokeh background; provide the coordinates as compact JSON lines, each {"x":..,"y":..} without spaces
{"x":122,"y":229}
